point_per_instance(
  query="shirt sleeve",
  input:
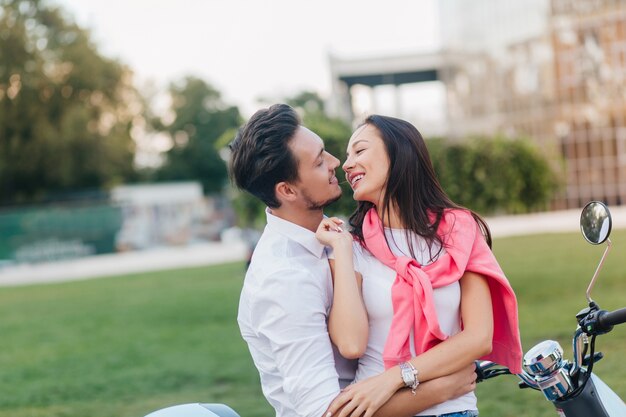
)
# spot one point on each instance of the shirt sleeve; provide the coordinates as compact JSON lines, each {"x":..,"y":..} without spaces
{"x":290,"y":311}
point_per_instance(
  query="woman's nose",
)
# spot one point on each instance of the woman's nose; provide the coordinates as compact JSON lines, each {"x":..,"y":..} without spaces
{"x":347,"y":165}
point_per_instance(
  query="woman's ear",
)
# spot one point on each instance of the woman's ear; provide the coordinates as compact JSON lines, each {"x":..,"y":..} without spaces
{"x":285,"y":192}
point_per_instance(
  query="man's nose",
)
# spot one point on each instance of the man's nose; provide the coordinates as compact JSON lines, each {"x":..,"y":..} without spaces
{"x":334,"y":162}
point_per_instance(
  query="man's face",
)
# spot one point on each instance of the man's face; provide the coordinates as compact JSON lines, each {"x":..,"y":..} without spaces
{"x":317,"y":183}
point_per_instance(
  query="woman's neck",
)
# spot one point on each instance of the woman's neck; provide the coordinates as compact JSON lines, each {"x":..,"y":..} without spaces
{"x":390,"y":218}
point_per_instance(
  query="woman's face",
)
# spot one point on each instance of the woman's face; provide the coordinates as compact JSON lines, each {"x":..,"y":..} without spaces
{"x":367,"y":165}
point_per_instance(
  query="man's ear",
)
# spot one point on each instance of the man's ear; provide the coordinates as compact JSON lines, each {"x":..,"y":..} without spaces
{"x":285,"y":192}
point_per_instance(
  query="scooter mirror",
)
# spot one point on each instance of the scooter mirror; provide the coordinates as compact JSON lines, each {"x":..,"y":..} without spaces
{"x":595,"y":222}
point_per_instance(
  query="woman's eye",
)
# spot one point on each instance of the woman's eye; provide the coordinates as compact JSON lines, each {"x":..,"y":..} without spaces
{"x":359,"y":151}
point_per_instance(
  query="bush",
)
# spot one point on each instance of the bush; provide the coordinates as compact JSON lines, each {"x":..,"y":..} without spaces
{"x":493,"y":175}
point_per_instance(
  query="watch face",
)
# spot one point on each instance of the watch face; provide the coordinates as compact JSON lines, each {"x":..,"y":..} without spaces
{"x":407,"y":376}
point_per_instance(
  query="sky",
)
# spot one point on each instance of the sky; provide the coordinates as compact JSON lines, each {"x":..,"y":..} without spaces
{"x":252,"y":48}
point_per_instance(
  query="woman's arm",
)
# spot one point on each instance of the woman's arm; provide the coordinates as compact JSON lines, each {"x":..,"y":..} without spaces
{"x":449,"y":356}
{"x":404,"y":404}
{"x":471,"y":343}
{"x":347,"y":323}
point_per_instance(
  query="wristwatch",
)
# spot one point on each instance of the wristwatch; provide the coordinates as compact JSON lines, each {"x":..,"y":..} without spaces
{"x":409,"y":376}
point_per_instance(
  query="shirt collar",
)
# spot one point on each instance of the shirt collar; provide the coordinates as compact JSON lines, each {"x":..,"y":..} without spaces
{"x":298,"y":234}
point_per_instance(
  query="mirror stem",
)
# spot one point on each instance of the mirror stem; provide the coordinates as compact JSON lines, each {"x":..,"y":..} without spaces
{"x":595,"y":275}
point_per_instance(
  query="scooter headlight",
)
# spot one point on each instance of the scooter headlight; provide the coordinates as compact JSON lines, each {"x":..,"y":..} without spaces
{"x":544,"y":358}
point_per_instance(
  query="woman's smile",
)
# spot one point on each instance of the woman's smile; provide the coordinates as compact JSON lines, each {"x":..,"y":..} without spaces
{"x":366,"y":157}
{"x":354,"y":178}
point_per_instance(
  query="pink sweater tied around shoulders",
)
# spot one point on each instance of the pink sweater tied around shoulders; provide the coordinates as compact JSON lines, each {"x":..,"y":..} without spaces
{"x":412,"y":290}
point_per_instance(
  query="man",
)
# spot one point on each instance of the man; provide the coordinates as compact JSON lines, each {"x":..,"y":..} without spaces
{"x":288,"y":288}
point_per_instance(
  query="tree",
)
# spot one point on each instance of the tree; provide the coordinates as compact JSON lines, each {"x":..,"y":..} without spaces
{"x":66,"y":111}
{"x":201,"y":118}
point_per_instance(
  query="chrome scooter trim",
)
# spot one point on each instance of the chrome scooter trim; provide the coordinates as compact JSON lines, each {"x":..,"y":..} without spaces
{"x":595,"y":275}
{"x":528,"y":380}
{"x":579,"y":344}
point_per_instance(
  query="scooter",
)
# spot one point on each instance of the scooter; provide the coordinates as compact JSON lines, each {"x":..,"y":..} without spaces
{"x":195,"y":410}
{"x":572,"y":387}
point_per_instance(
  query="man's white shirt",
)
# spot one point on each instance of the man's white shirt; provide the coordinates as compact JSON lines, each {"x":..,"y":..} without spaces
{"x":283,"y":312}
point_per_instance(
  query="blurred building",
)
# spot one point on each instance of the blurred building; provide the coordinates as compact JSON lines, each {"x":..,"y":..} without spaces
{"x":553,"y":70}
{"x":130,"y":217}
{"x":58,"y":230}
{"x":166,"y":214}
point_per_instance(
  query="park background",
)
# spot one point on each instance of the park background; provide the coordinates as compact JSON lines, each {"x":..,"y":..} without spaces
{"x":114,"y":123}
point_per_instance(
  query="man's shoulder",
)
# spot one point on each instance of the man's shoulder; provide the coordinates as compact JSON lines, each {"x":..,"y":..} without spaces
{"x":274,"y":244}
{"x":270,"y":275}
{"x":271,"y":265}
{"x":277,"y":252}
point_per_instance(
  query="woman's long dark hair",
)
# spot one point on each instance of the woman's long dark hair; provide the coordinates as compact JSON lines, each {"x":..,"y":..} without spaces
{"x":412,"y":187}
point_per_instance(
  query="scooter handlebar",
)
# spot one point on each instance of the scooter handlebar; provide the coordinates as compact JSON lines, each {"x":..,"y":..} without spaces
{"x":610,"y":319}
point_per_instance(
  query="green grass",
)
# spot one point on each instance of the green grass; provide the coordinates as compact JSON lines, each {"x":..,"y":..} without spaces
{"x":125,"y":346}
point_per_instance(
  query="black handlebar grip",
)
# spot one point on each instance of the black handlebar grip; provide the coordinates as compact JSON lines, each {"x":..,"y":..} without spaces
{"x":607,"y":320}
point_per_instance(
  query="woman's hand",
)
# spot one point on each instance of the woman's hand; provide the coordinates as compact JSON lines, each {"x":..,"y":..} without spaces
{"x":331,"y":233}
{"x":428,"y":394}
{"x":365,"y":397}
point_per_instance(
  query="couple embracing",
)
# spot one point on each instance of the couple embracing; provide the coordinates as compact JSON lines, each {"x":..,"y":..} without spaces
{"x":383,"y":316}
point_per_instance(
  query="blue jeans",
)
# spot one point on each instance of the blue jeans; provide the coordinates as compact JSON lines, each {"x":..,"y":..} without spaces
{"x":468,"y":413}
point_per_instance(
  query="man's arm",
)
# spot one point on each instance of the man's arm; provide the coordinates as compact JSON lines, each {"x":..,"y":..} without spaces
{"x":290,"y":312}
{"x":404,"y":404}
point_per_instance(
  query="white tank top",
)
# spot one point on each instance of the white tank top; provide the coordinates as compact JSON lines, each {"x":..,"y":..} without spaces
{"x":377,"y":281}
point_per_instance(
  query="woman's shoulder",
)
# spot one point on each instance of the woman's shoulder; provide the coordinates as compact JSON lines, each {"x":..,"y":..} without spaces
{"x":362,"y":256}
{"x":455,"y":220}
{"x":463,"y":216}
{"x":359,"y":250}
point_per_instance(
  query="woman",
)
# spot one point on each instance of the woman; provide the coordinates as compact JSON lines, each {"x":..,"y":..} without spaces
{"x":430,"y":284}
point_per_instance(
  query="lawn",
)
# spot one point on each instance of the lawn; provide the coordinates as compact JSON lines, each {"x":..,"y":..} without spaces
{"x":124,"y":346}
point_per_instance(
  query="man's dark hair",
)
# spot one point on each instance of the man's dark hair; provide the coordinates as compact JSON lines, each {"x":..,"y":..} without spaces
{"x":261,"y":157}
